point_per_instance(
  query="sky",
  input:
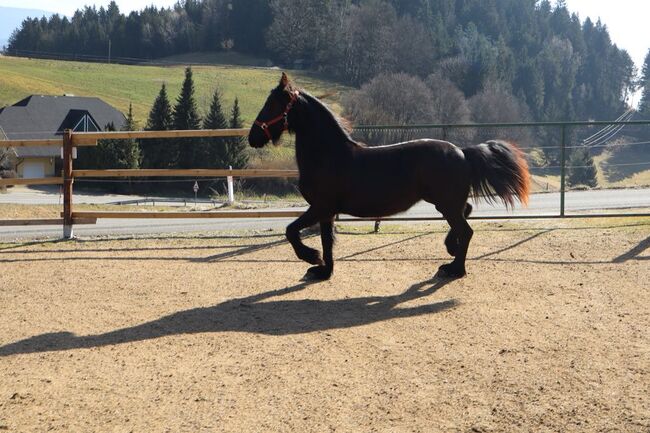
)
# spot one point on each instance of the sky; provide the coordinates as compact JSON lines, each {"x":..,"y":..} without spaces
{"x":625,"y":19}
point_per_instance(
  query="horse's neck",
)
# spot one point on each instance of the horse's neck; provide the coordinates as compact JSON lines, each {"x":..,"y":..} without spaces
{"x":319,"y":140}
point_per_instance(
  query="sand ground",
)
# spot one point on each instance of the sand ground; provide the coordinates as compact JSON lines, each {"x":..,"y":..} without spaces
{"x":549,"y":332}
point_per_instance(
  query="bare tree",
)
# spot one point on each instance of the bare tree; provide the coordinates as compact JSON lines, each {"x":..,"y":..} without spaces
{"x":393,"y":99}
{"x":496,"y":104}
{"x":299,"y":28}
{"x":449,"y":104}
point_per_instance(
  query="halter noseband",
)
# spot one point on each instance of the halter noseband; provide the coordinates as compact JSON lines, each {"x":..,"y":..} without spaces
{"x":283,"y":116}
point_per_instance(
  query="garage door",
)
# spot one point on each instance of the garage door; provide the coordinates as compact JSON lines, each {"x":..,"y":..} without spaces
{"x":33,"y":170}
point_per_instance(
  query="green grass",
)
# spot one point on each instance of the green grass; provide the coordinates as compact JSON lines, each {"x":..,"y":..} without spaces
{"x":120,"y":84}
{"x":216,"y":58}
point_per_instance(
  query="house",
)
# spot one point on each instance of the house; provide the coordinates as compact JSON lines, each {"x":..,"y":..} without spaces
{"x":43,"y":117}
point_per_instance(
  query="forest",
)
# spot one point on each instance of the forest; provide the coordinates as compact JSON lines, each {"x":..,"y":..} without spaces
{"x":557,"y":65}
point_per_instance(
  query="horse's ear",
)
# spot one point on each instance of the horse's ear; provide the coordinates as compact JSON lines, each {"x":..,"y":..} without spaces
{"x":284,"y":81}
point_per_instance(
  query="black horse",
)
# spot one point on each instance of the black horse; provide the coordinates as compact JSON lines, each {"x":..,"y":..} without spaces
{"x":341,"y":176}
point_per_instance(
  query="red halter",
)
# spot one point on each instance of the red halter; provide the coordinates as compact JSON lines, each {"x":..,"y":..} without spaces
{"x":265,"y":125}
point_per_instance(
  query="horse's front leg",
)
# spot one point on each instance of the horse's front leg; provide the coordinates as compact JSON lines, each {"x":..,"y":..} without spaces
{"x":324,"y":272}
{"x":310,"y":255}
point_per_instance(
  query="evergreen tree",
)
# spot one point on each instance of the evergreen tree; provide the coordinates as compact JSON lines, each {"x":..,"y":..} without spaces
{"x":581,"y":169}
{"x":644,"y":104}
{"x":185,"y":117}
{"x":159,"y":153}
{"x":215,"y":147}
{"x":235,"y":154}
{"x":131,"y":150}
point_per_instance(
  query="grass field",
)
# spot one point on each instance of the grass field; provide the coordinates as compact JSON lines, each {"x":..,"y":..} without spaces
{"x":121,"y":84}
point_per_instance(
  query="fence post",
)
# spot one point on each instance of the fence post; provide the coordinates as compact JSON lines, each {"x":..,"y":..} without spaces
{"x":562,"y":170}
{"x":231,"y":188}
{"x":67,"y":185}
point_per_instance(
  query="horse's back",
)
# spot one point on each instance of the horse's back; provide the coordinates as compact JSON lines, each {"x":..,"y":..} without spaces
{"x":428,"y":153}
{"x":384,"y":180}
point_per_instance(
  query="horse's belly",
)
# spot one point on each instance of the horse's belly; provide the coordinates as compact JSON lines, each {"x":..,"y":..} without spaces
{"x":379,"y":205}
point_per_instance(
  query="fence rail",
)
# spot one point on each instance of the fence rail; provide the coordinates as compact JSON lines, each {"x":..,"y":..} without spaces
{"x":71,"y":139}
{"x":183,"y":215}
{"x":184,"y":173}
{"x":38,"y":181}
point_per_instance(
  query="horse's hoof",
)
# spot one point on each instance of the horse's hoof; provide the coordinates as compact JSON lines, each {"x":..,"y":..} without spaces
{"x":318,"y":273}
{"x":450,"y":271}
{"x":311,"y":256}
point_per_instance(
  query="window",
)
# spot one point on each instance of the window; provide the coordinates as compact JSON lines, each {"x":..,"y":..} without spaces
{"x":86,"y":124}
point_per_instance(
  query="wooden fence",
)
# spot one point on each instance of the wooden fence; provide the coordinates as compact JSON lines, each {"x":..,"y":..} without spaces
{"x":71,"y":139}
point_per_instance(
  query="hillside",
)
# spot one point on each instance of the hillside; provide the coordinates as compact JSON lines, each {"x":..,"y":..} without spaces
{"x":120,"y":84}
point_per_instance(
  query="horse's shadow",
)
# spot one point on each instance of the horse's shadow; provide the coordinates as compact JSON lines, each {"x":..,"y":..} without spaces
{"x":250,"y":314}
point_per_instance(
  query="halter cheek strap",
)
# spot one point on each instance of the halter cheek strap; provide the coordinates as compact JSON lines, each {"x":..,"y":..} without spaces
{"x":283,"y":116}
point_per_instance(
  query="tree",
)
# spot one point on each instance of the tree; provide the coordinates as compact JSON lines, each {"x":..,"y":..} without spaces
{"x":496,"y":104}
{"x":185,"y":117}
{"x":369,"y":41}
{"x":393,"y":99}
{"x":449,"y":104}
{"x":131,"y":150}
{"x":214,"y":148}
{"x":644,"y":83}
{"x":581,"y":169}
{"x":159,"y":153}
{"x":297,"y":26}
{"x":8,"y":161}
{"x":235,"y":154}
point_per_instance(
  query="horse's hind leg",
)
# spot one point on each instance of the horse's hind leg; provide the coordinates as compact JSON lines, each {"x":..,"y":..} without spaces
{"x":463,"y":232}
{"x":303,"y":252}
{"x":451,"y":241}
{"x":324,"y":272}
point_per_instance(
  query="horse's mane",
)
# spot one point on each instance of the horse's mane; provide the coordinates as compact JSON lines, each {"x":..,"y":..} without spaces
{"x":344,"y":125}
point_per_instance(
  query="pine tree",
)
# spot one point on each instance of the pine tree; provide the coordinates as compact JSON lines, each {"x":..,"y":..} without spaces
{"x":235,"y":148}
{"x":581,"y":169}
{"x":161,"y":153}
{"x":215,"y":147}
{"x":186,"y":116}
{"x":644,"y":104}
{"x":131,"y":150}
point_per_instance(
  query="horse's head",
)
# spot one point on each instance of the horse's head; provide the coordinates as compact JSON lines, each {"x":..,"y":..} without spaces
{"x":272,"y":119}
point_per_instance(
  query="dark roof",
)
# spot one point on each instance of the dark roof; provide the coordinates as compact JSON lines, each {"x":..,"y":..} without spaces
{"x":40,"y":116}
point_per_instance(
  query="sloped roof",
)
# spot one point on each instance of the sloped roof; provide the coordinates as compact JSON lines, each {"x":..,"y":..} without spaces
{"x":41,"y":116}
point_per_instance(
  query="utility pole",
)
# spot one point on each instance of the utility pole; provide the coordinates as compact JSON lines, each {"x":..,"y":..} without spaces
{"x":109,"y":51}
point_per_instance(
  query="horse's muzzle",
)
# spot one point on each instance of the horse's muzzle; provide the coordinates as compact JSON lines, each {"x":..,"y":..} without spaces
{"x":256,"y":138}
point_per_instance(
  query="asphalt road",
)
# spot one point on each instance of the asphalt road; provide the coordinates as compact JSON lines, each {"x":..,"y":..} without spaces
{"x":540,"y":204}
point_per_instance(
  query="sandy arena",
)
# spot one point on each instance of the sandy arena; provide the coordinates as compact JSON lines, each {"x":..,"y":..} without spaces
{"x":549,"y":332}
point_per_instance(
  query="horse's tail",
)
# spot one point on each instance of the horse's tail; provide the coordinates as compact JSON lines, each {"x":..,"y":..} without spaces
{"x":498,"y":169}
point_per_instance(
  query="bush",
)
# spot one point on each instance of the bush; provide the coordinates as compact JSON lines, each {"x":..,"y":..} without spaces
{"x":581,"y":169}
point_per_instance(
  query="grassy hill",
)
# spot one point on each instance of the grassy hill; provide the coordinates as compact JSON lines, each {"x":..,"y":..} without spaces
{"x":120,"y":84}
